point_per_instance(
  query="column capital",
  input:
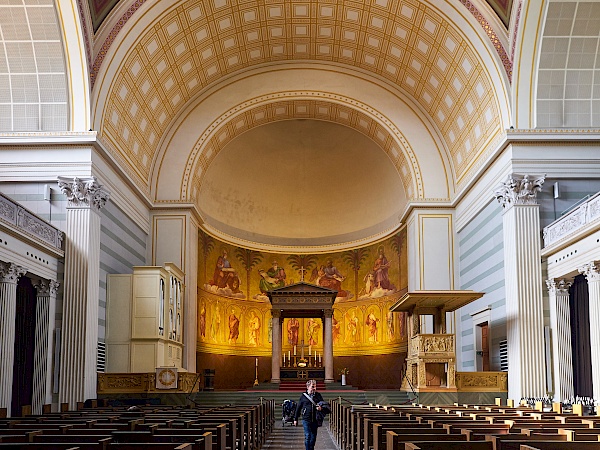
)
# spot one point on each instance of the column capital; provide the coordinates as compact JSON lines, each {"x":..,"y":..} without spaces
{"x":328,"y":313}
{"x":591,"y":271}
{"x":83,"y":192}
{"x":46,"y":287}
{"x":556,"y":286}
{"x":276,"y":313}
{"x":11,"y":272}
{"x":519,"y":191}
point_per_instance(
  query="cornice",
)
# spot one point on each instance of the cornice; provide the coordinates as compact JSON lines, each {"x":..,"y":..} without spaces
{"x":48,"y":138}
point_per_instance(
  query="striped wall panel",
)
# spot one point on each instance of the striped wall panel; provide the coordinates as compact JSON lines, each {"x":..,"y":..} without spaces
{"x":122,"y":246}
{"x":481,"y":269}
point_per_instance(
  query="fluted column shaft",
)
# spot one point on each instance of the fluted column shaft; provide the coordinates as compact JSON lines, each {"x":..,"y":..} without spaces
{"x":276,"y":349}
{"x":560,"y":323}
{"x":79,"y":336}
{"x":524,"y":307}
{"x":592,"y":274}
{"x":328,"y":346}
{"x":42,"y":366}
{"x":9,"y":276}
{"x":523,"y":285}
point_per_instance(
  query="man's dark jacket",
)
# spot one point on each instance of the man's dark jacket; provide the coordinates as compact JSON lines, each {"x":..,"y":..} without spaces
{"x":306,"y":409}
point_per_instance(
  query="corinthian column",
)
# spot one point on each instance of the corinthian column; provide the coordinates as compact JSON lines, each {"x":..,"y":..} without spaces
{"x":523,"y":284}
{"x":276,"y":347}
{"x":79,"y":335}
{"x":560,"y":323}
{"x":9,"y":276}
{"x":42,"y":365}
{"x":328,"y":346}
{"x":592,"y":274}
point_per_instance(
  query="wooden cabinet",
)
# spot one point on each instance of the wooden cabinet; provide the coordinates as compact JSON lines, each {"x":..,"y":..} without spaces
{"x":144,"y":315}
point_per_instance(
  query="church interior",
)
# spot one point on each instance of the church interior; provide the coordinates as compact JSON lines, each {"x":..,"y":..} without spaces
{"x":232,"y":195}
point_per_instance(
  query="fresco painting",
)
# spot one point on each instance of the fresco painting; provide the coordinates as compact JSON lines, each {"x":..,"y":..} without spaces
{"x":234,"y":310}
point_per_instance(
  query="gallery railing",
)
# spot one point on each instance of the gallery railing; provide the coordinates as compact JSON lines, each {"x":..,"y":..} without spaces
{"x":572,"y":222}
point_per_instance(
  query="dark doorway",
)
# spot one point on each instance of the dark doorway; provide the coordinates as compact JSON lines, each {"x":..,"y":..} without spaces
{"x":22,"y":392}
{"x":485,"y":347}
{"x":580,"y":337}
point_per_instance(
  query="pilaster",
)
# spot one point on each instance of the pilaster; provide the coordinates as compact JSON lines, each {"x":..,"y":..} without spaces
{"x":44,"y":325}
{"x":560,"y":323}
{"x":592,"y":274}
{"x":276,"y":351}
{"x":523,"y":275}
{"x":9,"y":276}
{"x":79,"y":335}
{"x":328,"y":346}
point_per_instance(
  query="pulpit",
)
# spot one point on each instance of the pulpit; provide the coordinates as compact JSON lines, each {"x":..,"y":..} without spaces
{"x":431,"y":359}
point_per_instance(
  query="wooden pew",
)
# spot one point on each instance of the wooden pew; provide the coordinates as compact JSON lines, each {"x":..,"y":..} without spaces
{"x":456,"y":445}
{"x":368,"y":430}
{"x":395,"y":441}
{"x":557,"y":445}
{"x":586,"y":434}
{"x":380,"y":433}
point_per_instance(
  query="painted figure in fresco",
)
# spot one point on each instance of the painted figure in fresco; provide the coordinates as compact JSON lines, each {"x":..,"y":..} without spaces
{"x":293,"y":327}
{"x":254,"y":329}
{"x":336,"y":330}
{"x":380,"y":271}
{"x":329,"y":277}
{"x":202,"y":320}
{"x":390,"y":326}
{"x":369,"y":280}
{"x":224,"y":275}
{"x":371,"y":323}
{"x":352,"y":335}
{"x":270,"y":333}
{"x":234,"y":327}
{"x":272,"y":278}
{"x":312,"y":327}
{"x":215,"y":324}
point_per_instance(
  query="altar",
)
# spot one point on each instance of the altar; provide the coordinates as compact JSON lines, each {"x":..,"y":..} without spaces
{"x":302,"y":374}
{"x":302,"y":300}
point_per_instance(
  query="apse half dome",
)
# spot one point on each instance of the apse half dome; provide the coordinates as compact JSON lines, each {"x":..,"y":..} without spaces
{"x":302,"y":183}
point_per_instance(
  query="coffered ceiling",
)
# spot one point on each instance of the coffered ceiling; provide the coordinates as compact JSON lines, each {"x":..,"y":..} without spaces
{"x":432,"y":59}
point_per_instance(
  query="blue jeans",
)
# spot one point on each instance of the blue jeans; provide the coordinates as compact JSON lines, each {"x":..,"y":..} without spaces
{"x":310,"y":434}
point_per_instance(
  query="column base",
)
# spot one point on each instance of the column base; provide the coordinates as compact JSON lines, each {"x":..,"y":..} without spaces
{"x":276,"y":380}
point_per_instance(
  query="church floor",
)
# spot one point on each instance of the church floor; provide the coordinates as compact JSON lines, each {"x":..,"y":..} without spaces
{"x":289,"y":437}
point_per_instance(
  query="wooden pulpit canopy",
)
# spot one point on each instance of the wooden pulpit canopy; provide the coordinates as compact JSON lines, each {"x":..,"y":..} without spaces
{"x":302,"y":300}
{"x":443,"y":300}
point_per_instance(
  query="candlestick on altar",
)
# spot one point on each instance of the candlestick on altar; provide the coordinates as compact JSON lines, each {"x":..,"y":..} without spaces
{"x":309,"y":350}
{"x":256,"y":373}
{"x":294,"y":350}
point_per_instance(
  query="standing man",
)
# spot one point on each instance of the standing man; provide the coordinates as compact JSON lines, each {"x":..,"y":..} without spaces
{"x":308,"y":405}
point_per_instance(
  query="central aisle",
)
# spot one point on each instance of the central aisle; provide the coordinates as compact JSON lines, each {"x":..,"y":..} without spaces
{"x":289,"y":437}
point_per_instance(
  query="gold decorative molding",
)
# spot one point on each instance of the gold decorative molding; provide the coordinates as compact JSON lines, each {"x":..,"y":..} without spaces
{"x":482,"y":381}
{"x":137,"y":383}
